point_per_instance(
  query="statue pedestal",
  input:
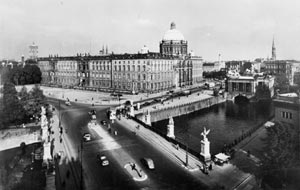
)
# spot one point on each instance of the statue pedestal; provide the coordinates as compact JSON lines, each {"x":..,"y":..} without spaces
{"x":131,"y":111}
{"x":148,"y":118}
{"x":205,"y":151}
{"x":170,"y":133}
{"x":47,"y":151}
{"x":44,"y":133}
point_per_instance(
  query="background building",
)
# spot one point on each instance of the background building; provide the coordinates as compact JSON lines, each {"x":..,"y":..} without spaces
{"x":281,"y":67}
{"x":287,"y":108}
{"x":33,"y":51}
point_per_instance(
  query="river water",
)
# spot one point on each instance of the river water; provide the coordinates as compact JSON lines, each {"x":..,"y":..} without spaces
{"x":226,"y":122}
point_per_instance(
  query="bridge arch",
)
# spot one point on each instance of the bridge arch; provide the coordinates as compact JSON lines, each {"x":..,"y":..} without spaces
{"x":241,"y":99}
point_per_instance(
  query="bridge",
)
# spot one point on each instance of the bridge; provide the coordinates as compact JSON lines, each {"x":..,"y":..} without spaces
{"x":246,"y":86}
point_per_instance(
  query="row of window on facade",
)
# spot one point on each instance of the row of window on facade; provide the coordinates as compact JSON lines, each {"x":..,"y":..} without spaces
{"x":241,"y":87}
{"x":276,"y":66}
{"x":143,"y":86}
{"x":148,"y":62}
{"x":100,"y":83}
{"x":66,"y":80}
{"x":286,"y":115}
{"x":164,"y":76}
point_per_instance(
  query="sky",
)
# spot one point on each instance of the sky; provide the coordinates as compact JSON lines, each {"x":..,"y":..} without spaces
{"x":236,"y":29}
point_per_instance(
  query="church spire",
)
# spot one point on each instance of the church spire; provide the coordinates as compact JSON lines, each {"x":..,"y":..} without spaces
{"x":273,"y":50}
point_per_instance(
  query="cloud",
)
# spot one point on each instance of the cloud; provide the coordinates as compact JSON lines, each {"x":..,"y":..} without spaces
{"x":145,"y":22}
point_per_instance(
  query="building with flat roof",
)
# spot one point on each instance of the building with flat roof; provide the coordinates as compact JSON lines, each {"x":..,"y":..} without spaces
{"x":247,"y":85}
{"x":287,"y":108}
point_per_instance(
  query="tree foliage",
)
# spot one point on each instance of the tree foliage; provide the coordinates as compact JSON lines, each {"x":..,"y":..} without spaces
{"x":262,"y":92}
{"x":282,"y":83}
{"x":18,"y":75}
{"x":215,"y":74}
{"x":281,"y":153}
{"x":21,"y":107}
{"x":13,"y":111}
{"x":33,"y":101}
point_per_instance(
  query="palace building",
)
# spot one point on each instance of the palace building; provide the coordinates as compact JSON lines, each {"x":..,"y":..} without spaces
{"x":128,"y":73}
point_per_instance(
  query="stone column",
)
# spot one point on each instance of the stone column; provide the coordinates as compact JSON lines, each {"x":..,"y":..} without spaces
{"x":138,"y":106}
{"x":170,"y":126}
{"x":148,"y":118}
{"x":131,"y":111}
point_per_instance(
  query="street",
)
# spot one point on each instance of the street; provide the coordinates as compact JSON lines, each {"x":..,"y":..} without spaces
{"x":119,"y":149}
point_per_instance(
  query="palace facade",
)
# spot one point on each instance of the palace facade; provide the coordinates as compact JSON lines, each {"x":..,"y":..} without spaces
{"x":142,"y":72}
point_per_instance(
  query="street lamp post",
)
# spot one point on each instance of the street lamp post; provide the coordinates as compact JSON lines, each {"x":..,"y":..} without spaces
{"x":81,"y":168}
{"x":185,"y":142}
{"x":187,"y":148}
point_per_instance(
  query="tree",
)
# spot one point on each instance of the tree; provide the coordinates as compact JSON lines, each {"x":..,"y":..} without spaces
{"x":5,"y":76}
{"x":23,"y":94}
{"x":15,"y":74}
{"x":262,"y":92}
{"x":282,"y":83}
{"x":13,"y":110}
{"x":281,"y":153}
{"x":35,"y":101}
{"x":36,"y":74}
{"x":27,"y":74}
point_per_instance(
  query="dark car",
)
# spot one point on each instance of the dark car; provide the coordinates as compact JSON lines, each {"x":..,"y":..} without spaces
{"x":148,"y":162}
{"x":92,"y":112}
{"x":103,"y":122}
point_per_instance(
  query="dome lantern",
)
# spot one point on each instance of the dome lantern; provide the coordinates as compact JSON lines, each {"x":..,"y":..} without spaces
{"x":173,"y":26}
{"x":173,"y":34}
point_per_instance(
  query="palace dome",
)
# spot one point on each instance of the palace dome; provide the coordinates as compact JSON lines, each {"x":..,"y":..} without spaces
{"x":173,"y":34}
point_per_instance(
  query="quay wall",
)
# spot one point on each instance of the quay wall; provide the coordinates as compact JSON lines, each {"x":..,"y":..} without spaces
{"x":182,"y":109}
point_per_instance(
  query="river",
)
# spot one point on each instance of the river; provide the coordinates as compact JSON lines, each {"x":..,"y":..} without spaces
{"x":225,"y":121}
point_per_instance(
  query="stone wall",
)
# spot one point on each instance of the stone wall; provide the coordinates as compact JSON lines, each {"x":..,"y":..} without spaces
{"x":11,"y":138}
{"x":178,"y":110}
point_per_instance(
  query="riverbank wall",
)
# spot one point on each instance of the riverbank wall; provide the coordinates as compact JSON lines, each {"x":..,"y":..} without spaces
{"x":182,"y":109}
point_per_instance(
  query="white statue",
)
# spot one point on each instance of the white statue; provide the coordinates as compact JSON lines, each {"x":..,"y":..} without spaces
{"x":43,"y":110}
{"x":204,"y":134}
{"x":171,"y":121}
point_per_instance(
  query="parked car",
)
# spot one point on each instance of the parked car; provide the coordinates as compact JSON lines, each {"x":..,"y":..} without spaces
{"x":92,"y":112}
{"x":103,"y":122}
{"x":103,"y":160}
{"x":87,"y":137}
{"x":148,"y":162}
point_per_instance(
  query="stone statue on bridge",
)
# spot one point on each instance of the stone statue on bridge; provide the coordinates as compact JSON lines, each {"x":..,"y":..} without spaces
{"x":205,"y":133}
{"x":205,"y":147}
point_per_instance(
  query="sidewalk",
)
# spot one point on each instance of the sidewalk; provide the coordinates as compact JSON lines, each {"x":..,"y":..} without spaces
{"x":65,"y":163}
{"x":227,"y":175}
